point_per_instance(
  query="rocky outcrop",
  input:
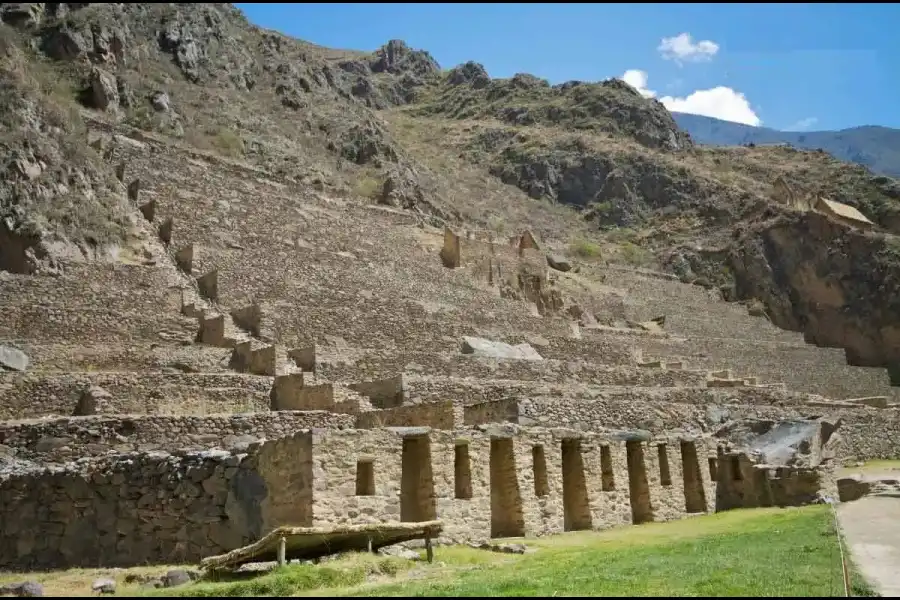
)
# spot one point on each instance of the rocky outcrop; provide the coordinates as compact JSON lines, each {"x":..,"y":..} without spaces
{"x":13,"y":359}
{"x":492,"y":349}
{"x":839,"y":286}
{"x":609,"y":106}
{"x":396,"y":57}
{"x":615,"y":191}
{"x":57,"y":198}
{"x":104,"y":92}
{"x":471,"y":73}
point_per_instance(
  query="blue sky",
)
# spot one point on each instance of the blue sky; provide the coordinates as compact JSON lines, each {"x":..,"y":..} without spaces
{"x":786,"y":66}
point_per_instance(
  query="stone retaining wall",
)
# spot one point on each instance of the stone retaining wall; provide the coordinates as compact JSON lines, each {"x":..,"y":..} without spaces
{"x":437,"y":415}
{"x":59,"y":440}
{"x":31,"y":395}
{"x":382,"y":365}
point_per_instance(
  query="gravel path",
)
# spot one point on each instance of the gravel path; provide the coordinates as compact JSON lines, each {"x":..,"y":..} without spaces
{"x":871,"y":527}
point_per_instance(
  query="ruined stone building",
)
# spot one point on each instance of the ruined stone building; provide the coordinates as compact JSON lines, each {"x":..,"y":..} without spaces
{"x":343,"y":363}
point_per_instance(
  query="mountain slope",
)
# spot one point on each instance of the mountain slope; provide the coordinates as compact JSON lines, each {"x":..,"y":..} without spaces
{"x":877,"y":148}
{"x":582,"y":164}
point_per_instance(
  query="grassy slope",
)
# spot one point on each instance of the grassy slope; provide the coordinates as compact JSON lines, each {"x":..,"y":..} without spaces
{"x":763,"y":552}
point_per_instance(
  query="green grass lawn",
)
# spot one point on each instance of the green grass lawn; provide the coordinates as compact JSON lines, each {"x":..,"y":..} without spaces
{"x":762,"y":552}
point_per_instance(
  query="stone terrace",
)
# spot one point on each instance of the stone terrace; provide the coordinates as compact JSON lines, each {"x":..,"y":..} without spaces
{"x":717,"y":332}
{"x":319,"y":342}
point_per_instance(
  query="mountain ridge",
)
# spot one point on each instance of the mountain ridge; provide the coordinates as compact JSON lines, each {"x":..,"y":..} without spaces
{"x":873,"y":146}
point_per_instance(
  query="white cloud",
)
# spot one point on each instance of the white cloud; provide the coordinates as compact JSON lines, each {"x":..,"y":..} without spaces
{"x":719,"y":102}
{"x":638,"y":80}
{"x":803,"y":124}
{"x":681,"y":49}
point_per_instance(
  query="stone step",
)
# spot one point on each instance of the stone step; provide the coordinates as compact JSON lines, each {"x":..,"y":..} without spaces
{"x":376,"y":365}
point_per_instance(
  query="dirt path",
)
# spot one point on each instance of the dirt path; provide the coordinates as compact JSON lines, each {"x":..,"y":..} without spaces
{"x":871,"y":528}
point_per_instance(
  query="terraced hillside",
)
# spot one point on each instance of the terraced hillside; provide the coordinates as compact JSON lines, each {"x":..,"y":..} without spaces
{"x":299,"y":261}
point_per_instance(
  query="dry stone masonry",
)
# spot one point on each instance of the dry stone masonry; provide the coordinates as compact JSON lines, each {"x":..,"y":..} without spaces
{"x":271,"y":357}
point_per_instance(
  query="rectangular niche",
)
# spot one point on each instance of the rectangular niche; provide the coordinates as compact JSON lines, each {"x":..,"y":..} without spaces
{"x":665,"y":474}
{"x":694,"y":494}
{"x":417,"y":502}
{"x":576,"y":505}
{"x":539,"y":467}
{"x":607,"y":475}
{"x":365,"y":477}
{"x":638,"y":487}
{"x":507,"y":518}
{"x":462,"y":471}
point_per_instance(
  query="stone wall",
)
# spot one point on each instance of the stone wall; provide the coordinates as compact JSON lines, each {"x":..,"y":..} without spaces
{"x":131,"y":357}
{"x":473,"y":391}
{"x":383,"y":393}
{"x":437,"y":415}
{"x":93,"y":303}
{"x":495,"y":411}
{"x":743,"y":484}
{"x":150,"y":508}
{"x":500,"y":479}
{"x":29,"y":395}
{"x":60,"y":440}
{"x":94,"y":285}
{"x":124,"y":511}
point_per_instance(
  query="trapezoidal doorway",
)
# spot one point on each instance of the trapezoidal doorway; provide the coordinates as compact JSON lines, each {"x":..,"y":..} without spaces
{"x":638,"y":487}
{"x":694,"y":494}
{"x":576,"y":506}
{"x":507,"y":519}
{"x":417,"y":502}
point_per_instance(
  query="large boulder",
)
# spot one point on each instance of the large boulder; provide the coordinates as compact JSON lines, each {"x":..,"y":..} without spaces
{"x":791,"y":442}
{"x":488,"y":348}
{"x":104,"y":90}
{"x":13,"y":359}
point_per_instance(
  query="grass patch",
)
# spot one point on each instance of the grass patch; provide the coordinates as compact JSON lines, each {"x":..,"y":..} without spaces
{"x":635,"y":255}
{"x":739,"y":553}
{"x":368,"y":186}
{"x":348,"y":571}
{"x":585,"y":249}
{"x":761,"y":552}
